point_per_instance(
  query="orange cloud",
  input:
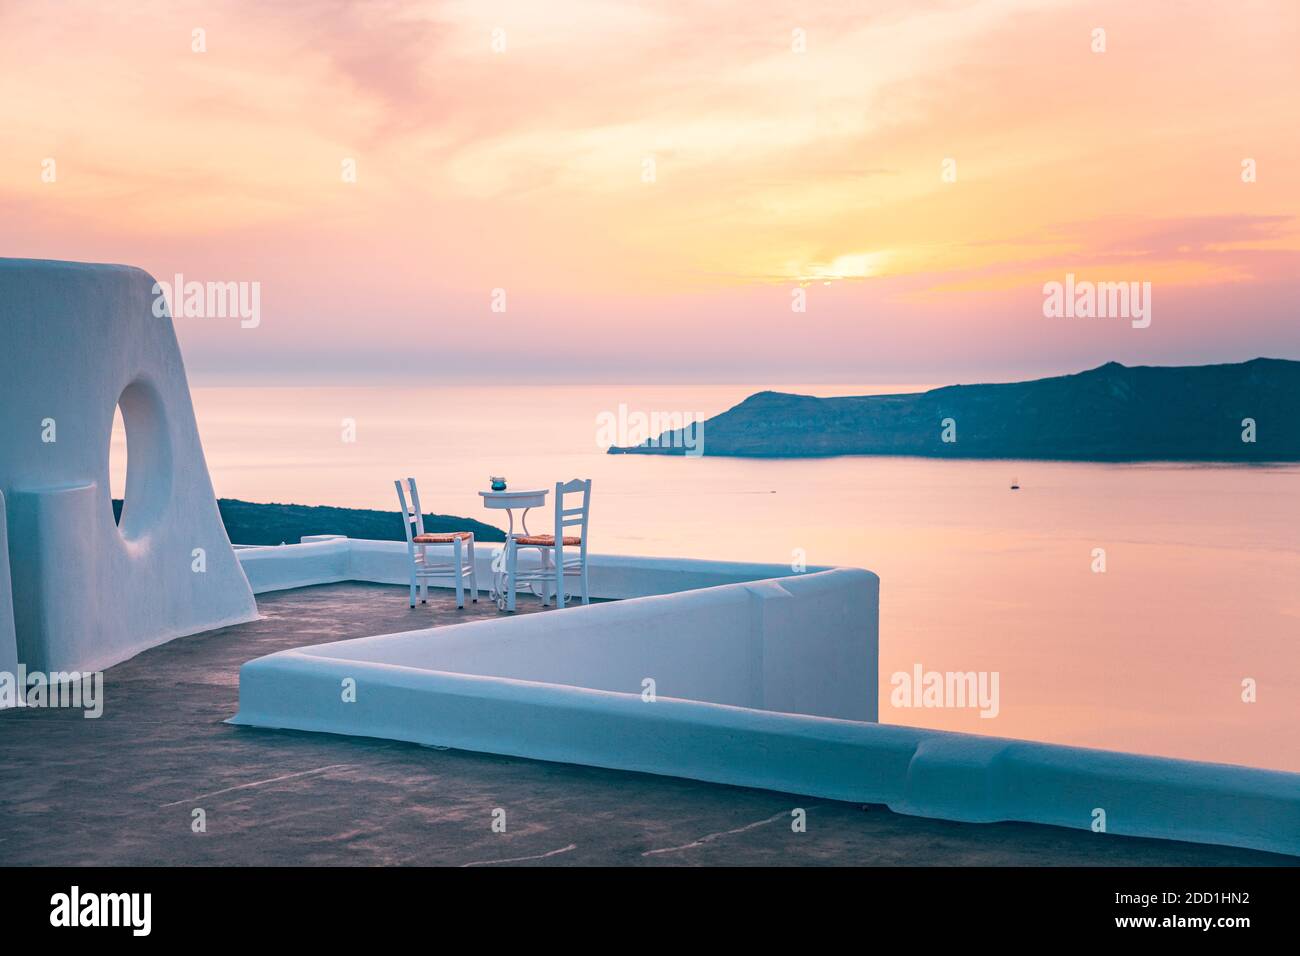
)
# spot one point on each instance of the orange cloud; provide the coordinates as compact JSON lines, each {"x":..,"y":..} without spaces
{"x":609,"y":164}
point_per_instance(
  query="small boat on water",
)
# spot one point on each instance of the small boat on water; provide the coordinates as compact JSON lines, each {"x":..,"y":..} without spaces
{"x":1015,"y":484}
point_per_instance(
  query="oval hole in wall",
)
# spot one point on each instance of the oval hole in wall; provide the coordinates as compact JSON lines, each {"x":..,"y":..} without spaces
{"x":118,"y":452}
{"x":140,"y":459}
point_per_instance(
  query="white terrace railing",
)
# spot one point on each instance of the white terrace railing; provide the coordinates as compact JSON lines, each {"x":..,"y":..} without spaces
{"x":734,"y":673}
{"x":328,"y":559}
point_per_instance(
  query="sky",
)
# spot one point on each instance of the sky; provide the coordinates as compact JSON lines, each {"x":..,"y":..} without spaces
{"x":621,"y":191}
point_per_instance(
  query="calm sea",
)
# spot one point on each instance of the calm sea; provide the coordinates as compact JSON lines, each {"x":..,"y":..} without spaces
{"x":1200,"y":593}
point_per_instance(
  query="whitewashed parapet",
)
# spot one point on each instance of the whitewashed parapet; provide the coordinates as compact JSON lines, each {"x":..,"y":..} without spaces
{"x":280,"y":567}
{"x":277,"y":567}
{"x":766,"y":683}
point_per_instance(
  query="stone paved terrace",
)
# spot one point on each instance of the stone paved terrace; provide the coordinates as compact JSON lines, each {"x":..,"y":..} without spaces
{"x":120,"y":789}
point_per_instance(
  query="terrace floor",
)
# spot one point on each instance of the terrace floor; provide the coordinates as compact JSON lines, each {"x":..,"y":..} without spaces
{"x":122,"y":789}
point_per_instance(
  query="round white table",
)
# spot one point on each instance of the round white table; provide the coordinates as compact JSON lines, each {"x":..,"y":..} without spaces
{"x":508,"y":501}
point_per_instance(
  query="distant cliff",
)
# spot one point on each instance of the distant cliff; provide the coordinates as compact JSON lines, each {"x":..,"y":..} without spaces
{"x":249,"y":522}
{"x":1110,"y":413}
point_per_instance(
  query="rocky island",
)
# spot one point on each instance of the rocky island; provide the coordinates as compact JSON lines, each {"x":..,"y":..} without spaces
{"x":1242,"y":412}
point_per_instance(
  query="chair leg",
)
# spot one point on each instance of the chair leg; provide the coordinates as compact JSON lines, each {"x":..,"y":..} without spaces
{"x":586,"y":598}
{"x":473,"y":573}
{"x":412,"y":585}
{"x":544,"y":556}
{"x":512,"y":565}
{"x":460,"y":568}
{"x":559,"y":577}
{"x":424,"y":582}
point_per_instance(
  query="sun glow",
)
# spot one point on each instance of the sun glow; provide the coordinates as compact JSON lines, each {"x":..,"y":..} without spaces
{"x":850,"y":266}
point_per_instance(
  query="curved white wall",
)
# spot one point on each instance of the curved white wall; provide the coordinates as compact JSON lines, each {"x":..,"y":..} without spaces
{"x":754,"y":683}
{"x":804,"y":644}
{"x":77,"y":339}
{"x":278,"y":568}
{"x":326,"y":559}
{"x":914,"y":771}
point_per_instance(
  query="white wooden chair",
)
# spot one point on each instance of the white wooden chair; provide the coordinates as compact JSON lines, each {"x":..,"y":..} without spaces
{"x":556,"y":565}
{"x":423,"y":567}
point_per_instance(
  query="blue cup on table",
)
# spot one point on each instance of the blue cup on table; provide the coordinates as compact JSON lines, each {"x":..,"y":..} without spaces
{"x":498,"y":484}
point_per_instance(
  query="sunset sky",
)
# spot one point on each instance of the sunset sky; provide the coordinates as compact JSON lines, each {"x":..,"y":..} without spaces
{"x":525,"y":169}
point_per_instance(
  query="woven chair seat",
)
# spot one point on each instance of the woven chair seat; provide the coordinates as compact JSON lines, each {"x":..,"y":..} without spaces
{"x":444,"y":537}
{"x":546,"y":540}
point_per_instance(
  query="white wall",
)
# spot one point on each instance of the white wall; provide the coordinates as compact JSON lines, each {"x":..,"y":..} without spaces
{"x":753,"y":680}
{"x":914,"y":771}
{"x":323,"y":559}
{"x":286,"y":566}
{"x":87,"y":594}
{"x":805,"y":644}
